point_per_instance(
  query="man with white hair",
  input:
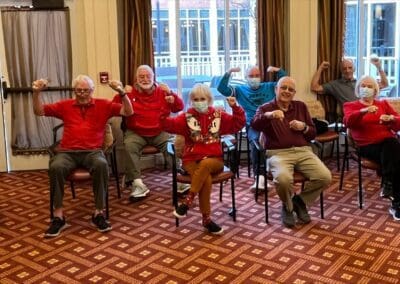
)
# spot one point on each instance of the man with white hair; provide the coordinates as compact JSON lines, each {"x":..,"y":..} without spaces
{"x":150,"y":101}
{"x":84,"y":119}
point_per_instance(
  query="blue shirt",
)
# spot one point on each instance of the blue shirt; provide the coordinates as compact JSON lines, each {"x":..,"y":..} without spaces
{"x":247,"y":97}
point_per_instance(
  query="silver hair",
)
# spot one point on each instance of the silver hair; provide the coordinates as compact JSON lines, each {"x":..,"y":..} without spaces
{"x":146,"y":67}
{"x":83,"y":78}
{"x":362,"y":79}
{"x":204,"y":90}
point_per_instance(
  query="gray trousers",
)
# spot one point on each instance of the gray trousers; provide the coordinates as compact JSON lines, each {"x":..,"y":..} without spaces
{"x":283,"y":162}
{"x":134,"y":145}
{"x":61,"y":165}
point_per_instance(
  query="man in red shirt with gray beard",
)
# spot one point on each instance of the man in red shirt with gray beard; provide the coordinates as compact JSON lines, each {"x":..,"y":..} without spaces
{"x":150,"y":101}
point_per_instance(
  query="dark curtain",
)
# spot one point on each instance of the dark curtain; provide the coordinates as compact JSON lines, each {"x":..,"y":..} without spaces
{"x":331,"y":23}
{"x":138,"y":44}
{"x":271,"y":26}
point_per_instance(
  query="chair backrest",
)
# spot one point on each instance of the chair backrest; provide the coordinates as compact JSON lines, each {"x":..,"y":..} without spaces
{"x":315,"y":109}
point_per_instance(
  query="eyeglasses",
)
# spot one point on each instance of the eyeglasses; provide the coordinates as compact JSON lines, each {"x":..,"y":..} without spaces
{"x":287,"y":88}
{"x":82,"y":91}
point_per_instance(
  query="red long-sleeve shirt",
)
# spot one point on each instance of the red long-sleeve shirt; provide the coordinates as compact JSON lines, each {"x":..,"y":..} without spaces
{"x":148,"y":109}
{"x":366,"y":127}
{"x":206,"y":141}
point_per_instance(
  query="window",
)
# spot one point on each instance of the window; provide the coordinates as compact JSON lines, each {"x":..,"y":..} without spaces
{"x":378,"y":34}
{"x":190,"y":42}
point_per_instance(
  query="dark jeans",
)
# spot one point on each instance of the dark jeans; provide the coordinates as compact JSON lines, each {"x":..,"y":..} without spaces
{"x":387,"y":154}
{"x":253,"y":135}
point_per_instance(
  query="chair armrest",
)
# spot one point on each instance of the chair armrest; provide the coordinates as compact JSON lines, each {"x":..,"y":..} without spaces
{"x":55,"y":130}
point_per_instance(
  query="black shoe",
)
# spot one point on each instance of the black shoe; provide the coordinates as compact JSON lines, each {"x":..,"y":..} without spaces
{"x":301,"y":210}
{"x":213,"y":228}
{"x":56,"y":226}
{"x":395,"y":211}
{"x":101,"y":223}
{"x":287,"y":217}
{"x":181,"y":211}
{"x":387,"y":190}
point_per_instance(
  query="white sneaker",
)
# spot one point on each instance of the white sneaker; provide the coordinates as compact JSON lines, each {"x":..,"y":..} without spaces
{"x":183,"y":187}
{"x":139,"y":190}
{"x":260,"y":183}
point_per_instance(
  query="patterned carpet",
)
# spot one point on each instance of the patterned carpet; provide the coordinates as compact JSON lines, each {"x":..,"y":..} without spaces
{"x":348,"y":246}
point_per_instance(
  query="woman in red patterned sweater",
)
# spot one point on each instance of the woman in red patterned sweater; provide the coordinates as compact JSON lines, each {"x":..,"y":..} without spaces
{"x":202,"y":126}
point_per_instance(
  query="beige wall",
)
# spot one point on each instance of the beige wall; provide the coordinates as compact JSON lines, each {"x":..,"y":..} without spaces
{"x":303,"y":45}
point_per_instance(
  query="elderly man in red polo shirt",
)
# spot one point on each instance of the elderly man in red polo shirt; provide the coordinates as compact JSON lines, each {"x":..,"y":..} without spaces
{"x":84,"y":120}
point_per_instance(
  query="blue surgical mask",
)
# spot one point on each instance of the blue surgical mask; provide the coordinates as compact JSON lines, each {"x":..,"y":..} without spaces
{"x":201,"y":106}
{"x":366,"y":92}
{"x":254,"y":83}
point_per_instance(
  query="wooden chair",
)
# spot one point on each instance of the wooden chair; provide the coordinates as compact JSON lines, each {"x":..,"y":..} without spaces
{"x":352,"y":151}
{"x":228,"y":174}
{"x":316,"y":110}
{"x":81,"y":174}
{"x":297,"y":178}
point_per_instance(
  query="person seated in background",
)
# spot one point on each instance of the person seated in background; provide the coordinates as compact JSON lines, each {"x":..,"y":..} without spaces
{"x":202,"y":126}
{"x":250,"y":97}
{"x":150,"y":101}
{"x":343,"y":89}
{"x":373,"y":124}
{"x":288,"y":129}
{"x":84,"y":119}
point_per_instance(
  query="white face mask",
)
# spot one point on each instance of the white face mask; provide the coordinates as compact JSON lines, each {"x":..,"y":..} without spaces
{"x":366,"y":92}
{"x":201,"y":106}
{"x":254,"y":83}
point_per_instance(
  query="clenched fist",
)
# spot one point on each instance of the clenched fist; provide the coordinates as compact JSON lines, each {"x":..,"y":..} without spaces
{"x":39,"y":85}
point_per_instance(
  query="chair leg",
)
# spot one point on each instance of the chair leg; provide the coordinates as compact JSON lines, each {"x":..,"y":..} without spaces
{"x":321,"y":203}
{"x":107,"y":207}
{"x":220,"y":192}
{"x":233,"y":210}
{"x":345,"y":158}
{"x":337,"y":155}
{"x":72,"y":189}
{"x":51,"y":205}
{"x":114,"y":167}
{"x":248,"y":157}
{"x":360,"y":190}
{"x":266,"y":198}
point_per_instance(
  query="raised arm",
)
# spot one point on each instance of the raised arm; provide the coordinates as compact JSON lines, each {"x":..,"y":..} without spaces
{"x":315,"y":81}
{"x":383,"y":82}
{"x":223,"y":86}
{"x":126,"y":109}
{"x":37,"y":87}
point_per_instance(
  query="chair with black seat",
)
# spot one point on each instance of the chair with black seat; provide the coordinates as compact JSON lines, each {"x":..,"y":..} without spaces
{"x":297,"y":178}
{"x":228,"y":174}
{"x":81,"y":174}
{"x":352,"y":151}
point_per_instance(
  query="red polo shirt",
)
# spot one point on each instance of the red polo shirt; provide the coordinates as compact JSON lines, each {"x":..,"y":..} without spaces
{"x":83,"y":124}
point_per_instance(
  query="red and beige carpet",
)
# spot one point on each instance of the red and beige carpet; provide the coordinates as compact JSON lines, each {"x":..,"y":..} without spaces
{"x":348,"y":246}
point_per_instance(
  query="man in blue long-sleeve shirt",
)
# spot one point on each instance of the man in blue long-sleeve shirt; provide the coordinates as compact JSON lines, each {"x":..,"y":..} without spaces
{"x":250,"y":96}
